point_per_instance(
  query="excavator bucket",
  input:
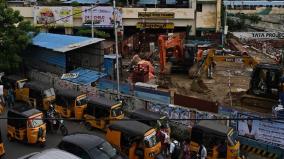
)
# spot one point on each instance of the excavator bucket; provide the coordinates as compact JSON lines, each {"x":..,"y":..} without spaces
{"x":198,"y":85}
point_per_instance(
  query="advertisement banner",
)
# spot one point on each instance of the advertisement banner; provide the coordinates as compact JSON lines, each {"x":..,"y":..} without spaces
{"x":53,"y":16}
{"x":271,"y":132}
{"x":103,"y":17}
{"x":260,"y":35}
{"x":77,"y":12}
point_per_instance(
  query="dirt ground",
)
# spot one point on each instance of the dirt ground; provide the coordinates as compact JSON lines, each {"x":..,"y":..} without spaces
{"x":218,"y":87}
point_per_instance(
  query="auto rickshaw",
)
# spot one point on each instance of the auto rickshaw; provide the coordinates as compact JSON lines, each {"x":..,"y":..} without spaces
{"x":26,"y":124}
{"x":2,"y":150}
{"x":70,"y":103}
{"x":39,"y":95}
{"x":101,"y":111}
{"x":218,"y":139}
{"x":17,"y":83}
{"x":152,"y":119}
{"x":134,"y":139}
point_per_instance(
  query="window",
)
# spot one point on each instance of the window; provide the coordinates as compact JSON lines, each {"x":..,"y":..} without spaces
{"x":35,"y":122}
{"x":199,"y":7}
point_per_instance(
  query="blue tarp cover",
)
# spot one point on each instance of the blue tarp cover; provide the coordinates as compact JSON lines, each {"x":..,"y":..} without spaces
{"x":85,"y":76}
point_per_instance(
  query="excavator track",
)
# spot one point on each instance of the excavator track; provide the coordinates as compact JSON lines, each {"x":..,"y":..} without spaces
{"x":259,"y":103}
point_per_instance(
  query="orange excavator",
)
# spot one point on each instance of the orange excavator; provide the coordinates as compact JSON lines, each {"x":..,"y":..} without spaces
{"x":174,"y":54}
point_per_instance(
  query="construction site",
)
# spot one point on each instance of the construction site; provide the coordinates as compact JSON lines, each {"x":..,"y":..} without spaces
{"x":227,"y":76}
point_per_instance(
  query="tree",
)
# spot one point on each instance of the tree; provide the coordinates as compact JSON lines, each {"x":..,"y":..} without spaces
{"x":14,"y":37}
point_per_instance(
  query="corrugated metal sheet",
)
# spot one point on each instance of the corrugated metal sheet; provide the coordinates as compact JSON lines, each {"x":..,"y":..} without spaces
{"x":89,"y":1}
{"x":105,"y":84}
{"x":86,"y":76}
{"x":196,"y":103}
{"x":62,"y":43}
{"x":153,"y":97}
{"x":57,"y":59}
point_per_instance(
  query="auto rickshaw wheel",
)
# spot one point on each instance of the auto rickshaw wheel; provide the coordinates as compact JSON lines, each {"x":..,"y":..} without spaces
{"x":63,"y":130}
{"x":42,"y":144}
{"x":10,"y":138}
{"x":88,"y":126}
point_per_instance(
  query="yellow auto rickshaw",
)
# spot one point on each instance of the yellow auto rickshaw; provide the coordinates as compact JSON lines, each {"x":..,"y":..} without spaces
{"x":218,"y":139}
{"x":26,"y":124}
{"x":101,"y":111}
{"x":70,"y":103}
{"x":39,"y":95}
{"x":152,"y":119}
{"x":134,"y":139}
{"x":2,"y":150}
{"x":16,"y":83}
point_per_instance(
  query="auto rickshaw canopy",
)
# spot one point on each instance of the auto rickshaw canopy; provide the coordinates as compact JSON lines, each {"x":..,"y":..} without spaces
{"x":69,"y":93}
{"x":12,"y":78}
{"x":24,"y":111}
{"x":37,"y":86}
{"x":130,"y":127}
{"x":101,"y":102}
{"x":145,"y":114}
{"x":213,"y":127}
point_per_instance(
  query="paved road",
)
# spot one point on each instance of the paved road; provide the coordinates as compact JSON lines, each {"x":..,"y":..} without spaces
{"x":16,"y":149}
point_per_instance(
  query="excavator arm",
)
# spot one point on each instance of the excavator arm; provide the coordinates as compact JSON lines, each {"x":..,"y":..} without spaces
{"x":165,"y":44}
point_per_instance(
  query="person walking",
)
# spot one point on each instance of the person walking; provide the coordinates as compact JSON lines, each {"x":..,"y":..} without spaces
{"x":10,"y":97}
{"x":202,"y":153}
{"x":186,"y":150}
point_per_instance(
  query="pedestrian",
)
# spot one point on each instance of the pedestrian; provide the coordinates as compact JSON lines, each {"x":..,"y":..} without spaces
{"x":10,"y":97}
{"x":175,"y":150}
{"x":202,"y":152}
{"x":186,"y":150}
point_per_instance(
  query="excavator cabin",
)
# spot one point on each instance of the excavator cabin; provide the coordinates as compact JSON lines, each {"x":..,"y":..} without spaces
{"x":174,"y":54}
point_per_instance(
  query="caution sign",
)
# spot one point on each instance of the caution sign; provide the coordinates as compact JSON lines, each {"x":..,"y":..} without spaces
{"x":141,"y":25}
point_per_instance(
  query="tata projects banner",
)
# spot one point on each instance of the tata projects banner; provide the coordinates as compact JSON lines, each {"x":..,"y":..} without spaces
{"x":53,"y":16}
{"x":263,"y":130}
{"x":103,"y":17}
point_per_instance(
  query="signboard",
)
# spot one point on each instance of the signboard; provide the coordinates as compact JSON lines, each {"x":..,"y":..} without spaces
{"x":260,"y":35}
{"x":263,"y":130}
{"x":141,"y":25}
{"x":69,"y":75}
{"x":156,"y":15}
{"x":77,"y":12}
{"x":53,"y":16}
{"x":103,"y":17}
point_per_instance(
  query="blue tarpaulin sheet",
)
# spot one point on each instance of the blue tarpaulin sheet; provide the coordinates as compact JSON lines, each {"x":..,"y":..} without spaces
{"x":85,"y":76}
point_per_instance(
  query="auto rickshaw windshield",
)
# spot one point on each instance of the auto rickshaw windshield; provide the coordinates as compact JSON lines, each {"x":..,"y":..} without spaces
{"x":35,"y":122}
{"x":117,"y":111}
{"x":81,"y":101}
{"x":49,"y":92}
{"x":150,"y":140}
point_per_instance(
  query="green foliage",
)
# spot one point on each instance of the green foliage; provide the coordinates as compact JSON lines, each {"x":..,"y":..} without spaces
{"x":14,"y":37}
{"x":75,"y":4}
{"x":238,"y":21}
{"x":88,"y":32}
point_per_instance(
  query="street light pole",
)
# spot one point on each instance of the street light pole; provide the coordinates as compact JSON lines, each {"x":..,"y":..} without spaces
{"x":92,"y":7}
{"x":116,"y":50}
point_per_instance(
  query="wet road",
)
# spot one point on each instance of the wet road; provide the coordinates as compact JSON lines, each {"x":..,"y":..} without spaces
{"x":16,"y":149}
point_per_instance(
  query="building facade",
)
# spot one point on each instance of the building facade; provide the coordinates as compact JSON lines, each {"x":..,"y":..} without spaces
{"x":200,"y":15}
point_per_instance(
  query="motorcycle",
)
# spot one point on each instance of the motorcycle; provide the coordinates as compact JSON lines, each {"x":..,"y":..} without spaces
{"x":54,"y":122}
